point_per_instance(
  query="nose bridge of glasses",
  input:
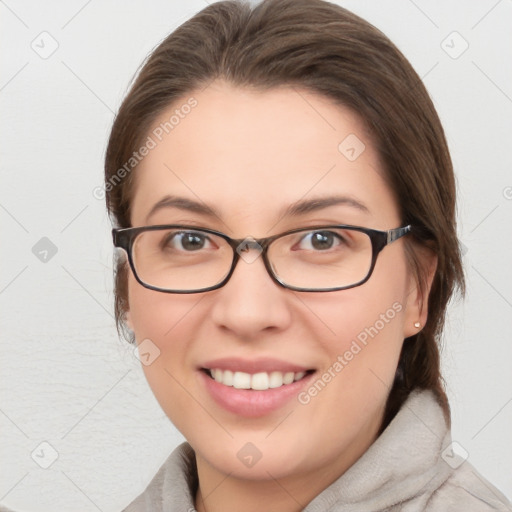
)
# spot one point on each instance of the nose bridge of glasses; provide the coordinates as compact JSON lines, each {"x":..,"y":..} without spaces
{"x":249,"y":248}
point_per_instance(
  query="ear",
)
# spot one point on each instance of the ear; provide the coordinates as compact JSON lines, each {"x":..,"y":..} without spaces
{"x":128,"y":320}
{"x":416,"y":309}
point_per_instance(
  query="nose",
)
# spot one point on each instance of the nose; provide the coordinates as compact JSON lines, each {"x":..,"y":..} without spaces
{"x":251,"y":302}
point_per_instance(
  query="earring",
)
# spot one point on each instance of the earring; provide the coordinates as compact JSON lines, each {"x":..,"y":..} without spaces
{"x":417,"y":325}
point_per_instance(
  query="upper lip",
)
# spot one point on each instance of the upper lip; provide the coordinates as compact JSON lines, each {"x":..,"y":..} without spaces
{"x":254,"y":365}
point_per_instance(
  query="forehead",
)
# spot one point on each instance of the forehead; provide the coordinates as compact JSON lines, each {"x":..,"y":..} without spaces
{"x":252,"y":153}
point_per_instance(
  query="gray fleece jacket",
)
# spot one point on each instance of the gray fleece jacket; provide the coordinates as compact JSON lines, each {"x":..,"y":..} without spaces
{"x":409,"y":468}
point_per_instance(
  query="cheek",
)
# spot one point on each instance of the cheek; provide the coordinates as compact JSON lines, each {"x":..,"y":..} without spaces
{"x":366,"y":339}
{"x":364,"y":329}
{"x":359,"y":315}
{"x":351,"y":389}
{"x":160,"y":324}
{"x":156,"y":315}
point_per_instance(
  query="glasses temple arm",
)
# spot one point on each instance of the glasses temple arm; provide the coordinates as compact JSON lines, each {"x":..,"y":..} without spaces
{"x":395,"y":234}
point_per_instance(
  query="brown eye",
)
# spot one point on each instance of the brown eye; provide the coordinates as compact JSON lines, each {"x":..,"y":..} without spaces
{"x":188,"y":241}
{"x":320,"y":240}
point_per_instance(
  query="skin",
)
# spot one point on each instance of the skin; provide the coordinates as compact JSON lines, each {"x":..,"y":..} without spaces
{"x":250,"y":154}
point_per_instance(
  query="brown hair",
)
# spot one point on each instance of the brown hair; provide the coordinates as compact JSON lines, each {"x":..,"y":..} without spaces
{"x":323,"y":48}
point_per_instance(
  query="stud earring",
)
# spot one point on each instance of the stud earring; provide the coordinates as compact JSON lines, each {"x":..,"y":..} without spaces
{"x":417,"y":325}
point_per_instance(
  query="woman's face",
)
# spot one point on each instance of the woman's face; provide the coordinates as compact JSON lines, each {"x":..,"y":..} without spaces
{"x":249,"y":156}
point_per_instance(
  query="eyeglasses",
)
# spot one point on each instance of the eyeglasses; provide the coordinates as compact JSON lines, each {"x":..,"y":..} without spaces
{"x":186,"y":259}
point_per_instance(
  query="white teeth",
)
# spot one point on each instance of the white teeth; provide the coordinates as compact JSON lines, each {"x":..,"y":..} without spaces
{"x":288,"y":377}
{"x":276,"y":380}
{"x":299,"y":375}
{"x":227,"y":377}
{"x":258,"y":381}
{"x":241,"y":380}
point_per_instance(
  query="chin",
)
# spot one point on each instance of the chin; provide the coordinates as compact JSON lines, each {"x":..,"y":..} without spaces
{"x":253,"y":457}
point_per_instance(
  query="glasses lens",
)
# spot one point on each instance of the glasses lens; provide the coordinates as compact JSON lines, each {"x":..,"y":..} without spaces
{"x":181,"y":259}
{"x":322,"y":259}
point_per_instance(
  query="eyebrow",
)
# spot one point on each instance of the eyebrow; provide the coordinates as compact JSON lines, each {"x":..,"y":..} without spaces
{"x":296,"y":209}
{"x":182,"y":203}
{"x":312,"y":205}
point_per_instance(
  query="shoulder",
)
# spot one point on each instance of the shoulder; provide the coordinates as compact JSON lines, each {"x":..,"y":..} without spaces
{"x":173,"y":486}
{"x":466,"y":489}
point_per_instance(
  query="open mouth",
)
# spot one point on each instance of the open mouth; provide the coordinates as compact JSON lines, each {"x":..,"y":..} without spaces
{"x":260,"y":381}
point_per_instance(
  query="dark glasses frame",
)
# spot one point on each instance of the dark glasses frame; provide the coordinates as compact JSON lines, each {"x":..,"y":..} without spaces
{"x":124,"y":238}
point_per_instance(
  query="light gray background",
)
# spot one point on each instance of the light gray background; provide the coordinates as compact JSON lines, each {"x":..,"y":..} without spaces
{"x":66,"y":379}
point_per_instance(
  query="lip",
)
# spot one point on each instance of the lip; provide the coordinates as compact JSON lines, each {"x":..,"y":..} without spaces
{"x":253,"y":366}
{"x":252,"y":403}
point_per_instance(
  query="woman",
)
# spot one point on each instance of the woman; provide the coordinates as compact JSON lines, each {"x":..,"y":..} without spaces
{"x":281,"y":185}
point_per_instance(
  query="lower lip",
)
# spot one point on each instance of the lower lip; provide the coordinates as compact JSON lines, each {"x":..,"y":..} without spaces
{"x":251,"y":403}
